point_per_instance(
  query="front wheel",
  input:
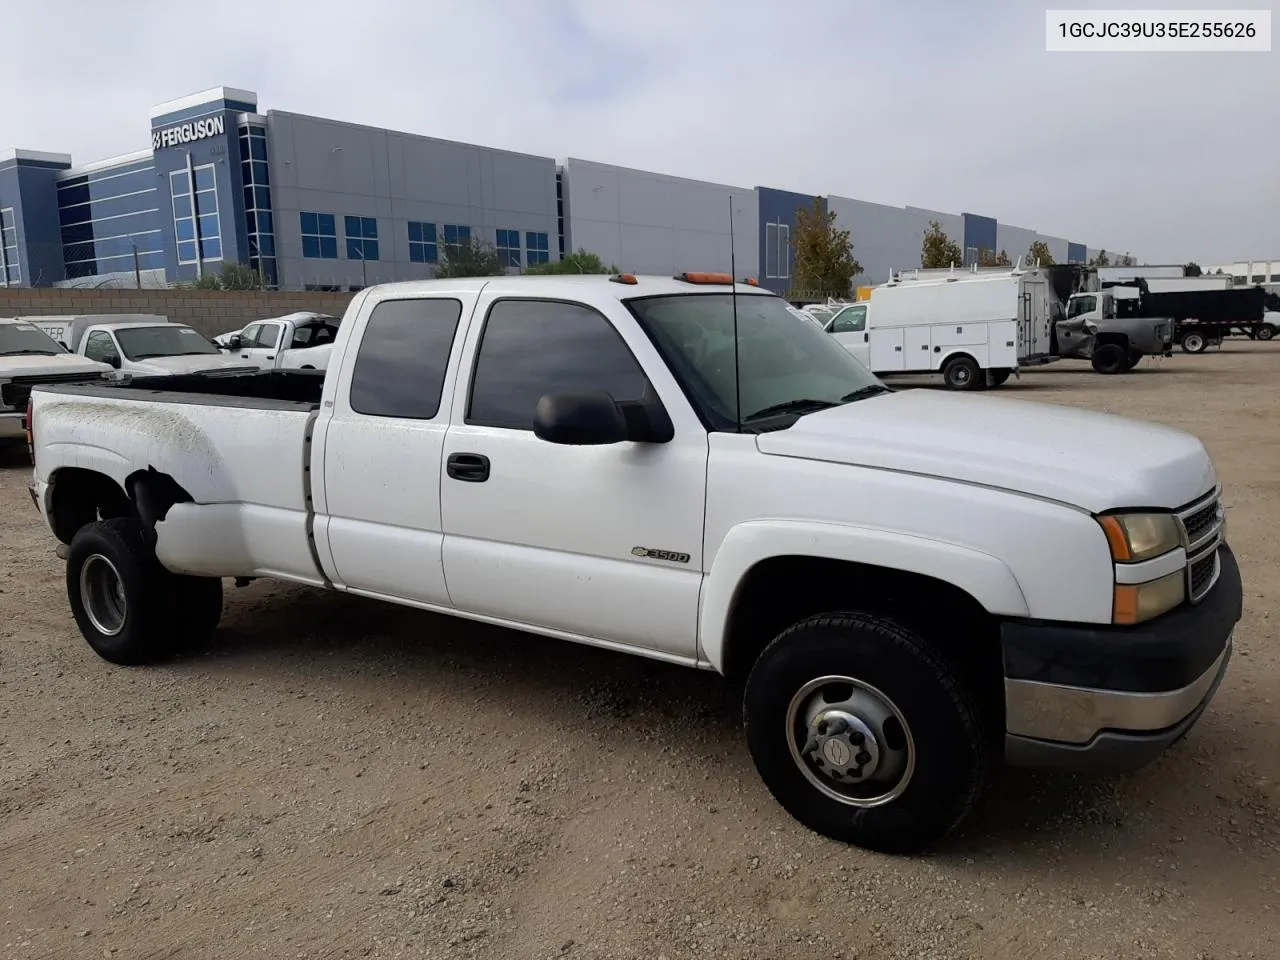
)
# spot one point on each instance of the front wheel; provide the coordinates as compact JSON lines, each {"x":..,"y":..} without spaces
{"x":1266,"y":333}
{"x":864,"y":733}
{"x":962,"y":373}
{"x":1194,"y":343}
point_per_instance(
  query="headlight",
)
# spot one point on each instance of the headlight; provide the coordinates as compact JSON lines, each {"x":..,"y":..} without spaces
{"x":1134,"y":537}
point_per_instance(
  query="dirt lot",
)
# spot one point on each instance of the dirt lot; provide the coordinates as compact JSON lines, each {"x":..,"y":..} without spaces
{"x":336,"y":778}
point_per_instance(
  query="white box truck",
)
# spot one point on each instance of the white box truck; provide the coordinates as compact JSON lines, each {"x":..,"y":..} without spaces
{"x":976,"y":329}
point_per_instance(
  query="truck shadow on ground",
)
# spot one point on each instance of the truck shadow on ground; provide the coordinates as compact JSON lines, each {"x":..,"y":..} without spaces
{"x":595,"y":699}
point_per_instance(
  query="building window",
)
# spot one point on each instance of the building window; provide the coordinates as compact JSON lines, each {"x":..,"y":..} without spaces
{"x":771,"y":250}
{"x":509,"y":247}
{"x":258,"y":220}
{"x":456,"y":236}
{"x":538,"y":247}
{"x":195,"y":215}
{"x":10,"y":269}
{"x":422,"y":243}
{"x":560,"y":211}
{"x":362,"y":238}
{"x":319,"y":236}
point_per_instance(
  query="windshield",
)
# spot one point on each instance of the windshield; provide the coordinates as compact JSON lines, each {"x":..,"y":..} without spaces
{"x":25,"y":339}
{"x":783,"y":360}
{"x":170,"y":340}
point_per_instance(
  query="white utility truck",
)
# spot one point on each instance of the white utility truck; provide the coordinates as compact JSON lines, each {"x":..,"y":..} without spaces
{"x":296,"y":341}
{"x":29,"y":356}
{"x":914,"y":588}
{"x":976,"y":329}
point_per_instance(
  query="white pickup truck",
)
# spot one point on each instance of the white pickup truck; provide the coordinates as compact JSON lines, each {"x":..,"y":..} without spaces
{"x":296,"y":341}
{"x":913,"y":586}
{"x":29,"y":356}
{"x":141,"y":349}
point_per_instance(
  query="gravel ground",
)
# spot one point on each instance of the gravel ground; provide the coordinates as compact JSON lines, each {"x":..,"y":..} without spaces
{"x":339,"y":778}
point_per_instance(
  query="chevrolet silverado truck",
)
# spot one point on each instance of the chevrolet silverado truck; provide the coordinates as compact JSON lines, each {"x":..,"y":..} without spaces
{"x":912,"y":587}
{"x":29,"y":356}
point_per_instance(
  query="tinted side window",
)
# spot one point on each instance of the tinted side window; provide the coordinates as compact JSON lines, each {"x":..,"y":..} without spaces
{"x":268,"y":336}
{"x":99,"y":347}
{"x":531,"y":347}
{"x":403,"y":355}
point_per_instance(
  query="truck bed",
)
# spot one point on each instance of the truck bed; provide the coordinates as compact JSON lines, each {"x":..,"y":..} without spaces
{"x":237,"y":445}
{"x":261,"y":390}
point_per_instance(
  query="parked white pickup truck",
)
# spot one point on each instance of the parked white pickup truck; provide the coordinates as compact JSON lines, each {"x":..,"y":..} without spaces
{"x":150,"y":349}
{"x":29,"y":356}
{"x":296,"y":341}
{"x":913,"y":586}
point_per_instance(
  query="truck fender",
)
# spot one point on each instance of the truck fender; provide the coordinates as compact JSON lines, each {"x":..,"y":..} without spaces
{"x":985,"y":578}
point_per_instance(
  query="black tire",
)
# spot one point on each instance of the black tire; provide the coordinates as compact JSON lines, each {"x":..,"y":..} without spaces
{"x":1134,"y":358}
{"x":951,"y":749}
{"x":1194,"y":343}
{"x":131,"y":620}
{"x":1266,"y":332}
{"x":962,"y":373}
{"x":1110,"y":358}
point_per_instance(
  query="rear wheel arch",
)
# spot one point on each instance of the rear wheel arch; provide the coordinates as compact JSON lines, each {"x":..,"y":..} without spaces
{"x":79,"y":496}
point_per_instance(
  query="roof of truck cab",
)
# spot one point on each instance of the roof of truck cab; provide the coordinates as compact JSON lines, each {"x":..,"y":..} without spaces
{"x":646,"y":285}
{"x":138,"y":323}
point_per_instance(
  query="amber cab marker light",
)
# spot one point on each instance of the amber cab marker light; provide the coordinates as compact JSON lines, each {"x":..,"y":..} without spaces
{"x":705,"y":278}
{"x":627,"y":278}
{"x":751,"y":281}
{"x":1117,"y":538}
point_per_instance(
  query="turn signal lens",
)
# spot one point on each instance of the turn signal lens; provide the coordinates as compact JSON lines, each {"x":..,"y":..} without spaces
{"x":1138,"y":602}
{"x":1134,"y":537}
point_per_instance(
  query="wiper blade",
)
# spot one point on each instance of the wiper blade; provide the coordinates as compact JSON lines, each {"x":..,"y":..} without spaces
{"x":862,"y":393}
{"x":28,"y":353}
{"x":806,"y":405}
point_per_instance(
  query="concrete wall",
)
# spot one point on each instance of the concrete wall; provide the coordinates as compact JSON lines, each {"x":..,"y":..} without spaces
{"x":210,"y":312}
{"x":778,"y":209}
{"x":652,"y":223}
{"x":1015,"y":241}
{"x":323,"y":166}
{"x":979,"y":234}
{"x":888,"y":238}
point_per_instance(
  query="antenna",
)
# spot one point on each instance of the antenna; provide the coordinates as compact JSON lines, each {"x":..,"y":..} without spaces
{"x":733,"y":299}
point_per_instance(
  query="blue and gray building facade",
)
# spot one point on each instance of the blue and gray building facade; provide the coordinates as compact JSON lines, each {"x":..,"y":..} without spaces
{"x":313,"y":203}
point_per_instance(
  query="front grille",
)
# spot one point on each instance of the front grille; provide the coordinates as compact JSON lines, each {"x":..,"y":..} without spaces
{"x":15,"y":392}
{"x":1200,"y":575}
{"x":1202,"y":523}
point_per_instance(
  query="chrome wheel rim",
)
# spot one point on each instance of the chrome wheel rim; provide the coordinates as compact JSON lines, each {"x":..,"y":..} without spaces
{"x":1193,"y":343}
{"x":960,"y":376}
{"x":850,"y":741}
{"x":102,"y":595}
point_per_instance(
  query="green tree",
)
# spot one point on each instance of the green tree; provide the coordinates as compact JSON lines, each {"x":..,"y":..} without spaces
{"x":987,"y":258}
{"x":1192,"y":269}
{"x":1101,"y":260}
{"x":939,"y":250}
{"x":1039,"y":252}
{"x":239,"y":276}
{"x":824,"y":264}
{"x":470,"y":258}
{"x":579,"y":262}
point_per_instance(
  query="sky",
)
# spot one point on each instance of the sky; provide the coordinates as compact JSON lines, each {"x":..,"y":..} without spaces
{"x":945,"y":105}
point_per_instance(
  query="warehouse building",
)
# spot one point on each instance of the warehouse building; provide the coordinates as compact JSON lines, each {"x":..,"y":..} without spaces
{"x":314,"y":203}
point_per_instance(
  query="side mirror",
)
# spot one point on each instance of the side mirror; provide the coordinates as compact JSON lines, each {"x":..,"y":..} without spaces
{"x":234,"y":343}
{"x":113,"y":360}
{"x":586,"y":418}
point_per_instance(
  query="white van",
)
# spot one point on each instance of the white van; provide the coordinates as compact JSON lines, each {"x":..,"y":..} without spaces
{"x":975,"y":329}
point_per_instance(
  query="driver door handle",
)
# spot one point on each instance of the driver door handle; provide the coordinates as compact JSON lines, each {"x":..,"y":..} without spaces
{"x":468,"y":467}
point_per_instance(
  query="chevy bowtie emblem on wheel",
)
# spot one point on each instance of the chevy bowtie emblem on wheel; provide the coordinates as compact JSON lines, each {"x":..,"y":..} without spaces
{"x":660,"y":554}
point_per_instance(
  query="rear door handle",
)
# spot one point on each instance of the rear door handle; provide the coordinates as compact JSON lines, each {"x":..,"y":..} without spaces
{"x":468,"y":467}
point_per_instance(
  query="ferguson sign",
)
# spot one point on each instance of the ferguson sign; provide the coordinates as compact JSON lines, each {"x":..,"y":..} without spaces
{"x":188,"y":132}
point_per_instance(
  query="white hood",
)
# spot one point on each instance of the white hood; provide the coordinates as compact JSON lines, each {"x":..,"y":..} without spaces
{"x":1095,"y":461}
{"x":194,"y":363}
{"x":30,"y":365}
